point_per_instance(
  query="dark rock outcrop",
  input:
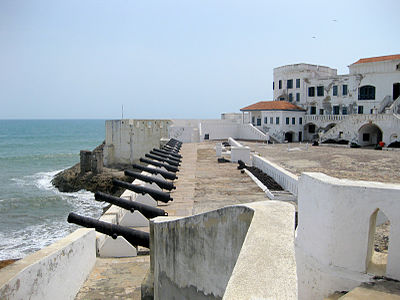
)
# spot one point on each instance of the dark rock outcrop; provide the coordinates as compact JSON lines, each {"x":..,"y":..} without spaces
{"x":71,"y":180}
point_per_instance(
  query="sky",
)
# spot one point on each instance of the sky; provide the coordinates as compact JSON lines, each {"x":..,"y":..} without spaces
{"x":173,"y":59}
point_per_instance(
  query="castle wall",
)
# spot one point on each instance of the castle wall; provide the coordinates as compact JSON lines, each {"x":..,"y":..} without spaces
{"x":128,"y":140}
{"x":333,"y":239}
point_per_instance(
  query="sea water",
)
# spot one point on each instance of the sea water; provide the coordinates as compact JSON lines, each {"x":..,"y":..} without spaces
{"x":33,"y":213}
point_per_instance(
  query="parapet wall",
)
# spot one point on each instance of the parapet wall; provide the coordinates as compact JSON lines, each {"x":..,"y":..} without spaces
{"x":55,"y":272}
{"x":237,"y":252}
{"x":336,"y":224}
{"x":287,"y":180}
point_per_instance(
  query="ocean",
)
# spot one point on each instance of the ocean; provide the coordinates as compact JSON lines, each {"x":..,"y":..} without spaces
{"x":33,"y":213}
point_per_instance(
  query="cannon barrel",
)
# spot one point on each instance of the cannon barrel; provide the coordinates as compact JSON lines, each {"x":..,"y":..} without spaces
{"x":159,"y":164}
{"x":173,"y":150}
{"x":134,"y":237}
{"x":167,"y":152}
{"x":146,"y":210}
{"x":165,"y":174}
{"x":160,"y":182}
{"x":170,"y":157}
{"x":156,"y":195}
{"x":174,"y":142}
{"x":162,"y":159}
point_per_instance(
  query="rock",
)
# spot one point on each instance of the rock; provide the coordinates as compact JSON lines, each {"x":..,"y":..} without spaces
{"x":71,"y":180}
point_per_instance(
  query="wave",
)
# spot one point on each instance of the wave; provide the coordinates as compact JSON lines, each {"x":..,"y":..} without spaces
{"x":45,"y":219}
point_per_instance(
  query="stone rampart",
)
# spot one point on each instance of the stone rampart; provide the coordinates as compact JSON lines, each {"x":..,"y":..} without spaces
{"x":237,"y":252}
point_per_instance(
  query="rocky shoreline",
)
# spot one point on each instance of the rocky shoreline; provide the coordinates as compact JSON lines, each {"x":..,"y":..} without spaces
{"x":72,"y":180}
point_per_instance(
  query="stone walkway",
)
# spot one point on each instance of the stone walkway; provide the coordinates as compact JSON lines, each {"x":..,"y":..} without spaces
{"x":202,"y":185}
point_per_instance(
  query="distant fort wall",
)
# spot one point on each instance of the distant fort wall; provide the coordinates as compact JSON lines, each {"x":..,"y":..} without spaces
{"x":127,"y":140}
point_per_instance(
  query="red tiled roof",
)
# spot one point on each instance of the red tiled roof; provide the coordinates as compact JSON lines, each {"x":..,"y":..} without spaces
{"x":272,"y":105}
{"x":378,"y":58}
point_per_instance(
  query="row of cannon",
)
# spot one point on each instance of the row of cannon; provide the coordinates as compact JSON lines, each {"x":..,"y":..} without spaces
{"x":165,"y":161}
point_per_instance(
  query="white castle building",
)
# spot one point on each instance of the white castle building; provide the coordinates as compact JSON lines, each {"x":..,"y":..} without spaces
{"x":360,"y":107}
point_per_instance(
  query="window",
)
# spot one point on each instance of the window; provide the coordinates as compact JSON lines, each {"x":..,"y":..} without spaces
{"x":265,"y":120}
{"x":360,"y":110}
{"x":320,"y":91}
{"x":344,"y":90}
{"x":282,"y":98}
{"x":293,"y":121}
{"x":253,"y":120}
{"x":366,"y":92}
{"x":207,"y":136}
{"x":365,"y":137}
{"x":280,"y":84}
{"x":297,"y":97}
{"x":300,"y":120}
{"x":287,"y":121}
{"x":336,"y":109}
{"x":321,"y":111}
{"x":273,"y":85}
{"x":344,"y":111}
{"x":258,"y":121}
{"x":297,"y":83}
{"x":271,"y":120}
{"x":313,"y":110}
{"x":311,"y":91}
{"x":290,"y":83}
{"x":311,"y":128}
{"x":277,"y":120}
{"x":334,"y":90}
{"x":290,"y":97}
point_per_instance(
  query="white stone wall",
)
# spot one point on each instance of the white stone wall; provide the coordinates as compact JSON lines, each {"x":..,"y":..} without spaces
{"x":207,"y":256}
{"x":55,"y":272}
{"x":332,"y":241}
{"x":304,"y":72}
{"x":128,"y":140}
{"x":286,"y":180}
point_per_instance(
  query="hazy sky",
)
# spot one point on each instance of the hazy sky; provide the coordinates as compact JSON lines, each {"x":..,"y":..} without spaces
{"x":173,"y":59}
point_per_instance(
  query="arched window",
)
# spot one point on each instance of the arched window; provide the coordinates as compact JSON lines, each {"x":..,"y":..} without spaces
{"x":366,"y":92}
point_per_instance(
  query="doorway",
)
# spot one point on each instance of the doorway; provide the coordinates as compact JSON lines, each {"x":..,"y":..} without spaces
{"x":396,"y":90}
{"x":289,"y":137}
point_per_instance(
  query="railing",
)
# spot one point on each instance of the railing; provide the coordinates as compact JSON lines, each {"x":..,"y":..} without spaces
{"x":394,"y":108}
{"x":384,"y":103}
{"x":325,"y":118}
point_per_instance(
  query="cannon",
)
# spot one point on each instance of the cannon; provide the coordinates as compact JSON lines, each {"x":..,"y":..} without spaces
{"x":134,"y":237}
{"x":146,"y":210}
{"x":170,"y":157}
{"x":174,"y":142}
{"x":162,"y":159}
{"x":160,"y":164}
{"x":168,"y":153}
{"x":170,"y":149}
{"x":156,"y":195}
{"x":160,"y":182}
{"x":165,"y":174}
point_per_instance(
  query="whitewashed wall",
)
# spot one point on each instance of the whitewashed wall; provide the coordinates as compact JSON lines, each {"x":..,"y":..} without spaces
{"x":286,"y":180}
{"x":55,"y":272}
{"x":333,"y":233}
{"x":207,"y":256}
{"x":128,"y":140}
